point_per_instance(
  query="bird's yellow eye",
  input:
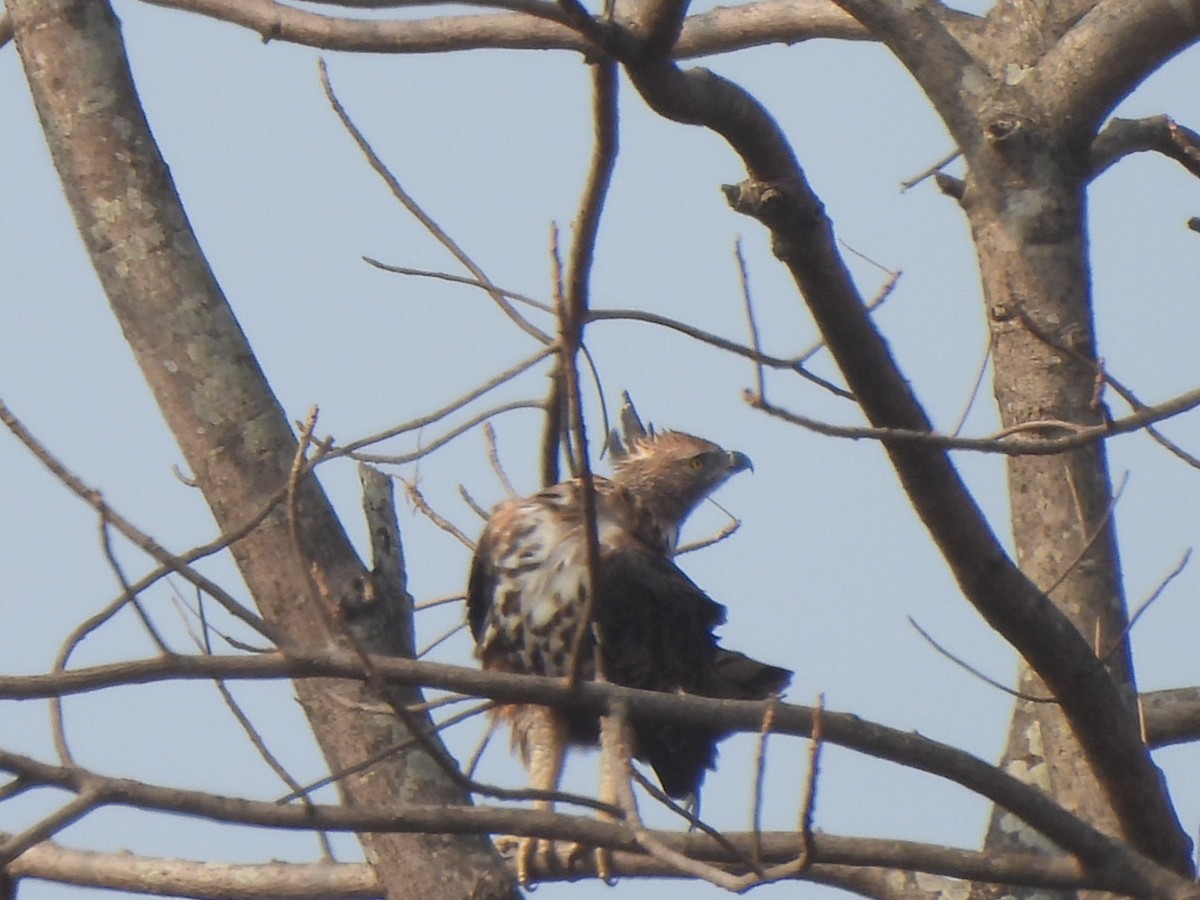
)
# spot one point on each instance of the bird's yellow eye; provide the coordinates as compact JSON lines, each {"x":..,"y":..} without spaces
{"x":697,"y":462}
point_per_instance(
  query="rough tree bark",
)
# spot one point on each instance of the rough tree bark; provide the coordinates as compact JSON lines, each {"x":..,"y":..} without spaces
{"x":230,"y":427}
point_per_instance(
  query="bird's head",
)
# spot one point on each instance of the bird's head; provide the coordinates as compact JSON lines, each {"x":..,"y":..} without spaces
{"x":671,"y":472}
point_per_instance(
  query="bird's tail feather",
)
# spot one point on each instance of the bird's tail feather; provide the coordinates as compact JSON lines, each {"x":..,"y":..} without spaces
{"x":738,"y":677}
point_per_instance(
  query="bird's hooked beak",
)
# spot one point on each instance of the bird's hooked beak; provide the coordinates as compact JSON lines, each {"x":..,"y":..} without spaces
{"x":739,"y":462}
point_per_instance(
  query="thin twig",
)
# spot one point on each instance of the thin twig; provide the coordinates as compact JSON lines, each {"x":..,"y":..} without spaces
{"x":1127,"y":395}
{"x":126,"y":590}
{"x":748,"y":305}
{"x":168,"y":561}
{"x":417,"y":499}
{"x":428,"y":448}
{"x":1093,"y":536}
{"x":614,"y":744}
{"x":815,"y":743}
{"x":794,"y":364}
{"x":453,"y":406}
{"x":489,"y":435}
{"x":553,"y":428}
{"x":399,"y":747}
{"x":439,"y":601}
{"x":694,"y":821}
{"x":729,"y":528}
{"x":204,"y":644}
{"x":1145,"y":605}
{"x":963,"y":664}
{"x":1076,"y":435}
{"x":808,"y":801}
{"x":930,"y":172}
{"x":473,"y":762}
{"x":421,"y":216}
{"x":760,"y":772}
{"x":476,"y":506}
{"x":45,"y":828}
{"x":460,"y":279}
{"x":973,"y":395}
{"x":441,"y":639}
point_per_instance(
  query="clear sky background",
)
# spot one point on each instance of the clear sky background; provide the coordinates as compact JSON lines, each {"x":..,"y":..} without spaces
{"x":829,"y":560}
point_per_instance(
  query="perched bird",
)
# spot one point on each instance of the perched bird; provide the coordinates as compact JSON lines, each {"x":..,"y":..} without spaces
{"x":528,"y":591}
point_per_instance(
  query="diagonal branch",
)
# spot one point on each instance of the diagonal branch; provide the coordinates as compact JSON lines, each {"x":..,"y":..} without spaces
{"x":539,"y":26}
{"x":230,"y":427}
{"x":780,"y":197}
{"x":920,"y":37}
{"x":1106,"y":54}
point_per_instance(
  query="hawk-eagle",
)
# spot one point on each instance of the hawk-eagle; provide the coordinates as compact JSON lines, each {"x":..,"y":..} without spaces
{"x":527,"y":594}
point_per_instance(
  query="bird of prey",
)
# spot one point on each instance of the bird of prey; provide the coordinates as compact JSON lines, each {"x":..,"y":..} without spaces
{"x":652,"y":627}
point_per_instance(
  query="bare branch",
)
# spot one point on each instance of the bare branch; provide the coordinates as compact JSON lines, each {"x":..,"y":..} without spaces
{"x":459,"y":430}
{"x":1105,"y":55}
{"x":572,"y":314}
{"x":131,"y":533}
{"x":1171,"y":716}
{"x":1161,"y":134}
{"x":454,"y":405}
{"x":1001,"y":442}
{"x":726,"y":530}
{"x":1119,"y":870}
{"x":460,"y":279}
{"x":125,"y":871}
{"x":1148,"y":602}
{"x":922,"y":39}
{"x":489,"y":434}
{"x":774,"y":362}
{"x":967,"y":667}
{"x":905,"y":748}
{"x":421,"y":216}
{"x":539,"y":26}
{"x":417,"y":499}
{"x":778,"y":194}
{"x":931,"y":171}
{"x":70,"y":812}
{"x":301,"y":881}
{"x":748,"y":304}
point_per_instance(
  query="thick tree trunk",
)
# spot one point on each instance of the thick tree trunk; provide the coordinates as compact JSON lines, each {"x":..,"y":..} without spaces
{"x":1027,"y":213}
{"x":231,"y":429}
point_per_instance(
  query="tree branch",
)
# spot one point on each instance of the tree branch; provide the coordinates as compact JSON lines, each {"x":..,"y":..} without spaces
{"x":233,"y":433}
{"x":299,"y":881}
{"x":920,"y":37}
{"x":721,"y":30}
{"x":904,"y":748}
{"x":1161,"y":134}
{"x":1106,"y":54}
{"x":779,"y":196}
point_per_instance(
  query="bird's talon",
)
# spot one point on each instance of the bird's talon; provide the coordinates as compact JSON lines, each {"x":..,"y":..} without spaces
{"x":529,"y":855}
{"x":602,"y":856}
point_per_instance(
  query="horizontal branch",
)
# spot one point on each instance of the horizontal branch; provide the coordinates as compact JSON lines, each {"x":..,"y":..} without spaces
{"x":297,"y":881}
{"x":1171,"y":716}
{"x":1006,"y":442}
{"x":123,"y":871}
{"x":539,"y":26}
{"x":908,"y":749}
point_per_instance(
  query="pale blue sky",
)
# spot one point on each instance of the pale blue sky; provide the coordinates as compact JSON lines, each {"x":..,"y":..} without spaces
{"x":829,"y":560}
